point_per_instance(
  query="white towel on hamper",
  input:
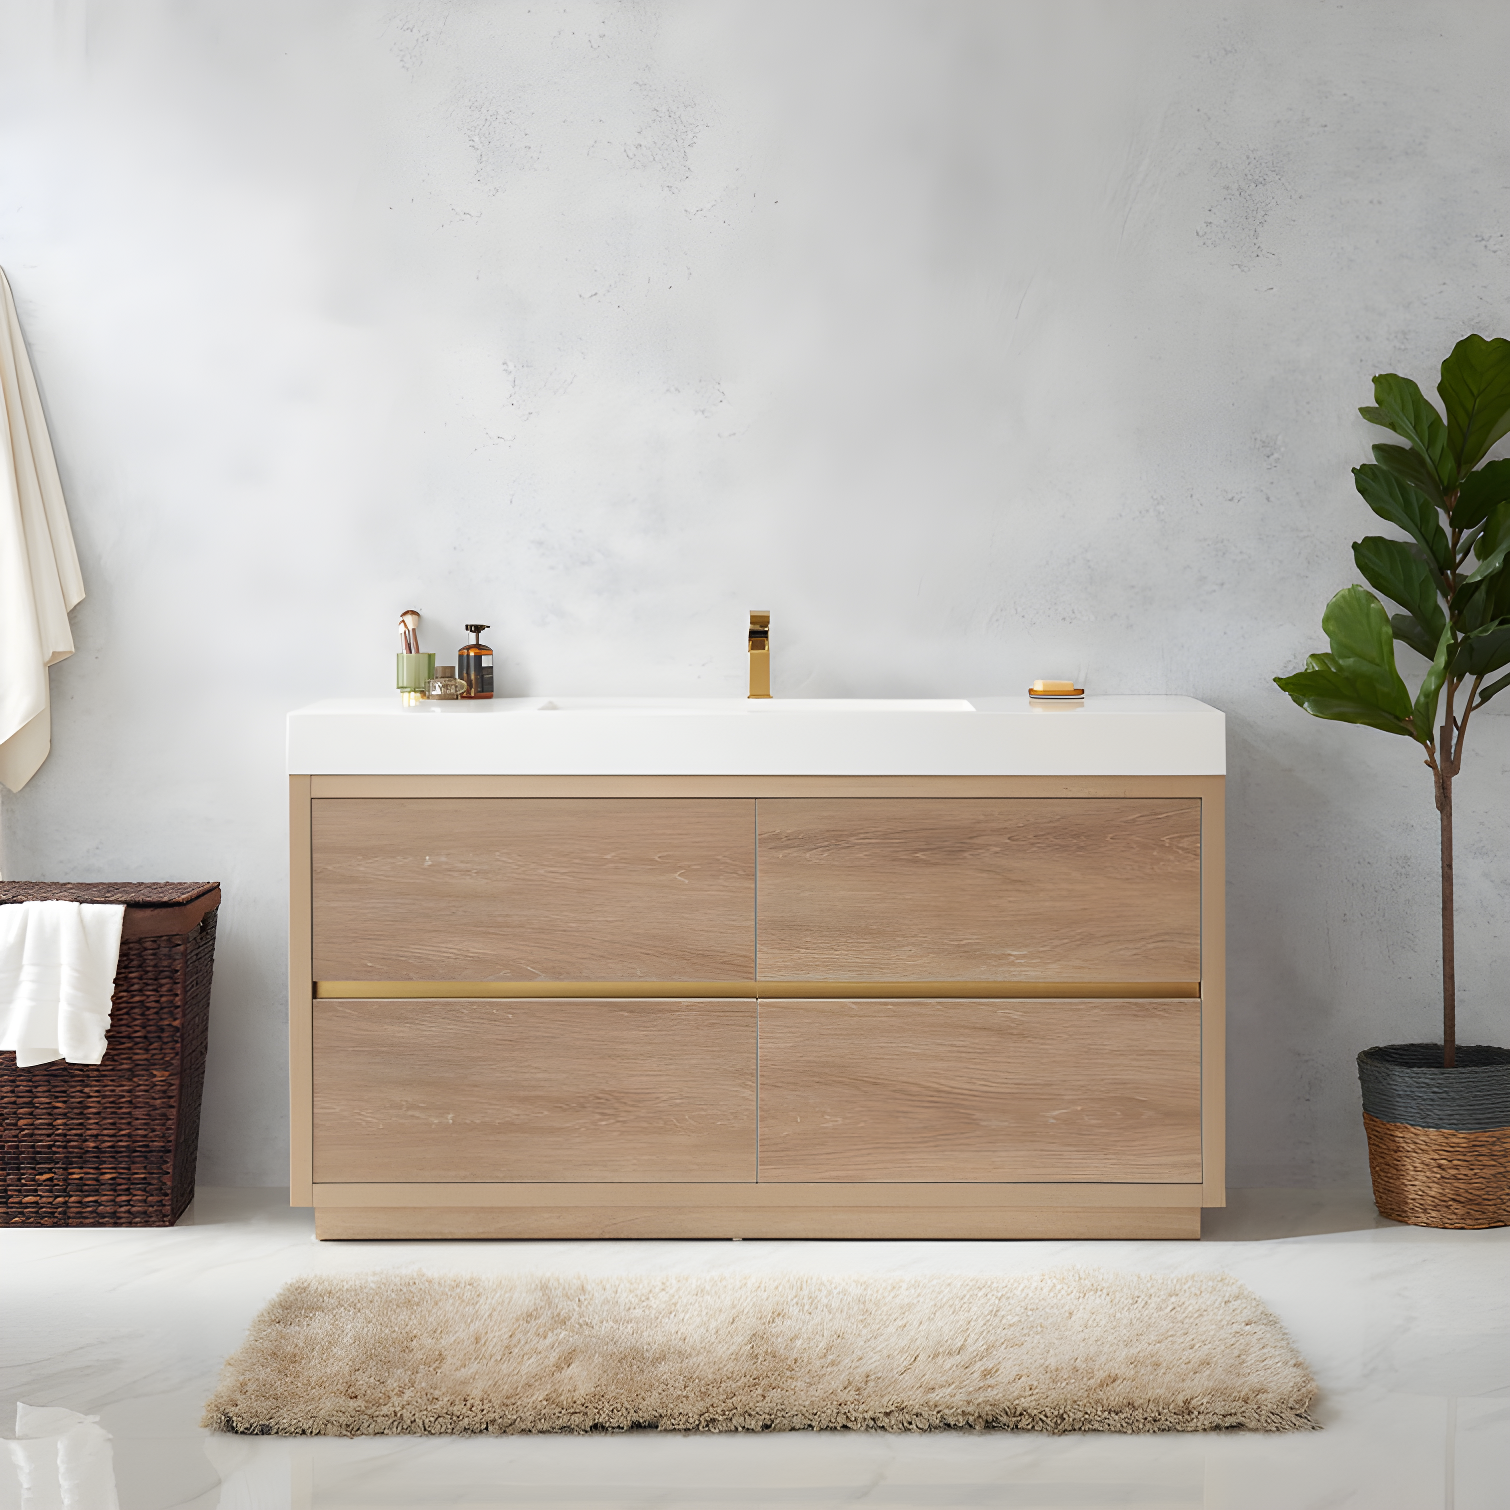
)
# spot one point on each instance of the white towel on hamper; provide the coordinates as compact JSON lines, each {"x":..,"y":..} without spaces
{"x":57,"y":975}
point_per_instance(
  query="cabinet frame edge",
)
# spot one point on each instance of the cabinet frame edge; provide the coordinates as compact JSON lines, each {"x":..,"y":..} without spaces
{"x":1214,"y":991}
{"x":301,"y":1190}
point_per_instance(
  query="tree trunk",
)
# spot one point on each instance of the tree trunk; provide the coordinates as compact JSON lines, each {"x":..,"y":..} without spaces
{"x":1449,"y":964}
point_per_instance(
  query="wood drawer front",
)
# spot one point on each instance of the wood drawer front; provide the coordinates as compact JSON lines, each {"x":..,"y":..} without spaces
{"x":1023,"y":888}
{"x":534,"y":1090}
{"x":554,"y":888}
{"x":1104,"y":1091}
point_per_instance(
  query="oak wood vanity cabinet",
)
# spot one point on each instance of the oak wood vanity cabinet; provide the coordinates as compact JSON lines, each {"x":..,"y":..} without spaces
{"x":731,"y":1006}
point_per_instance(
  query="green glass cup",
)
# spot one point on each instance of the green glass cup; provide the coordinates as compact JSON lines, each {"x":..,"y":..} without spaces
{"x":414,"y":673}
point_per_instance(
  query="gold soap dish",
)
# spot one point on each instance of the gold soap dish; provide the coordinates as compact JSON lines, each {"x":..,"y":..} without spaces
{"x":1056,"y":692}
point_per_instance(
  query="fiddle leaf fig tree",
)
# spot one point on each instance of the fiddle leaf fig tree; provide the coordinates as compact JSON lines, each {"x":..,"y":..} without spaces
{"x":1449,"y":576}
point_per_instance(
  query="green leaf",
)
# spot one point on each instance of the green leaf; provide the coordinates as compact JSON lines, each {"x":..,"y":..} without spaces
{"x":1483,"y":651}
{"x":1475,"y":391}
{"x":1364,"y":648}
{"x":1412,"y":468}
{"x":1495,"y":533}
{"x":1479,"y":493}
{"x":1424,"y":709}
{"x":1400,"y":573}
{"x":1489,"y":565}
{"x":1493,"y":600}
{"x":1403,"y":505}
{"x":1409,"y":630}
{"x":1485,"y":693}
{"x":1399,"y":405}
{"x":1483,"y":594}
{"x":1326,"y":692}
{"x":1471,"y":608}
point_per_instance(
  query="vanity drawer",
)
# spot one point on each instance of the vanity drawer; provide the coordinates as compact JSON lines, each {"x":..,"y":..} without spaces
{"x":534,"y":1090}
{"x":966,"y":889}
{"x":969,"y":1090}
{"x":520,"y":889}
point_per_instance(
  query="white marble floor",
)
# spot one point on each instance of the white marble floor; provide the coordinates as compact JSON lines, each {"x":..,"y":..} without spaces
{"x":1407,"y":1330}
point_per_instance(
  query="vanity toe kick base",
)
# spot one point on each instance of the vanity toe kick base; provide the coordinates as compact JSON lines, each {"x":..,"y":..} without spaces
{"x":972,"y":1008}
{"x":727,"y":1211}
{"x":645,"y":1219}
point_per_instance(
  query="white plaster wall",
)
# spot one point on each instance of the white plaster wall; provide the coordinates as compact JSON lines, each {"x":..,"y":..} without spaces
{"x":978,"y":341}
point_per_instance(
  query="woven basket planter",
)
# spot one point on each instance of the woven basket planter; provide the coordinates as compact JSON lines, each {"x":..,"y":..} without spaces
{"x":1438,"y":1139}
{"x":114,"y":1144}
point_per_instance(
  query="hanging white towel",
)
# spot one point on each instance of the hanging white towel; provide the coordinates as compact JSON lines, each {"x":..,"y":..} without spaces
{"x":39,"y":567}
{"x":57,"y":975}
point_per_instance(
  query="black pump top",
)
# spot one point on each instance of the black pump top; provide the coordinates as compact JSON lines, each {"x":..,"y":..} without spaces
{"x":475,"y":630}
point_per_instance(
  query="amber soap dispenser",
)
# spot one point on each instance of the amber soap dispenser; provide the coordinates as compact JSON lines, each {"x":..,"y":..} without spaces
{"x":474,"y":664}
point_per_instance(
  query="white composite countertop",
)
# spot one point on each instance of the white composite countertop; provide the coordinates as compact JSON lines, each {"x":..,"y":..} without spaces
{"x":713,"y":736}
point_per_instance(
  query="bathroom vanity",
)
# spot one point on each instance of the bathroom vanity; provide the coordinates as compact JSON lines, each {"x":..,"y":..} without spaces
{"x":569,"y":968}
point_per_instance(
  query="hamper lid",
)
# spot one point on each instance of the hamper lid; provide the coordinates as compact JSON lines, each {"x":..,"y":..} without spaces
{"x":132,"y":893}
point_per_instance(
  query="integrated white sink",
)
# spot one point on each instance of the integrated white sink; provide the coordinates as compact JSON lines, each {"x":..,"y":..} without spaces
{"x":757,"y":707}
{"x":725,"y":736}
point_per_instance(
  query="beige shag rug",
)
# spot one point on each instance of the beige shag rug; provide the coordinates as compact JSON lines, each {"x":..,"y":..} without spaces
{"x":1073,"y":1350}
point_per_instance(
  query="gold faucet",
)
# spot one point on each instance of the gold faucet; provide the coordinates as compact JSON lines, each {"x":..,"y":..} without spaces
{"x":760,"y":652}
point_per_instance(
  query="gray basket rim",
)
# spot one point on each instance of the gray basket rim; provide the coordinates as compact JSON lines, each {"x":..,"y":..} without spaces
{"x":1396,"y":1058}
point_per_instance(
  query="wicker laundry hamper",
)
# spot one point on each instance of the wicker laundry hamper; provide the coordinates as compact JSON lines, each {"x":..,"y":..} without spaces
{"x":114,"y":1144}
{"x":1438,"y":1139}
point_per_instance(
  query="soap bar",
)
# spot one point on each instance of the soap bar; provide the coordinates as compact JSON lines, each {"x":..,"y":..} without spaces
{"x":1053,"y":687}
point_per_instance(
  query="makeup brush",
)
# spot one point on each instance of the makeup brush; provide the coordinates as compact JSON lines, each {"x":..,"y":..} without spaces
{"x":409,"y":618}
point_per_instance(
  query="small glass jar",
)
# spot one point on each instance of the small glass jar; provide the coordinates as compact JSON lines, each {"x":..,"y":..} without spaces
{"x":445,"y":686}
